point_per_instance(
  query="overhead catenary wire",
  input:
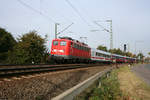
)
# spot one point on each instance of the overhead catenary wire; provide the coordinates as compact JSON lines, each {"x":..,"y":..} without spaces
{"x":101,"y":26}
{"x":76,"y":10}
{"x":67,"y":19}
{"x":65,"y":28}
{"x":95,"y":22}
{"x":40,"y":6}
{"x":87,"y":15}
{"x":35,"y":10}
{"x":41,"y":13}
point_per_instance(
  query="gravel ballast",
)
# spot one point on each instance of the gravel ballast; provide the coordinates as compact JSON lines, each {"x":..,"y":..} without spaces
{"x":45,"y":86}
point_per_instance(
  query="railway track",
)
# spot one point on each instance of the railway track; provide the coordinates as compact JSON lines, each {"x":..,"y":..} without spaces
{"x":10,"y":71}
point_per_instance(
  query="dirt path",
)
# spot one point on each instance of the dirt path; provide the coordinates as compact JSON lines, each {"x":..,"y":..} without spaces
{"x":143,"y":71}
{"x":132,"y":86}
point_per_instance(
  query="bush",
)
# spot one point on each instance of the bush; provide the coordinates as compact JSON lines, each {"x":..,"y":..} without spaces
{"x":30,"y":49}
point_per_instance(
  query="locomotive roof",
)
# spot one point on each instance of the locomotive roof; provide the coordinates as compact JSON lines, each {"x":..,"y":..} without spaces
{"x":68,"y":38}
{"x":76,"y":41}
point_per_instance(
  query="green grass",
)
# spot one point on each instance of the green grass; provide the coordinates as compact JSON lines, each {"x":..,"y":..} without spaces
{"x":109,"y":87}
{"x":106,"y":88}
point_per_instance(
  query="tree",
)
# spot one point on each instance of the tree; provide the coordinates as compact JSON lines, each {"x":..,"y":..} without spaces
{"x":129,"y":54}
{"x":100,"y":47}
{"x":147,"y":59}
{"x":7,"y":42}
{"x":149,"y":53}
{"x":30,"y":49}
{"x":140,"y":56}
{"x":134,"y":56}
{"x":117,"y":51}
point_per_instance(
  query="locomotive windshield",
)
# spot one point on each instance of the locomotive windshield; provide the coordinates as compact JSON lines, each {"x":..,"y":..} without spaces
{"x":63,"y":43}
{"x":55,"y":42}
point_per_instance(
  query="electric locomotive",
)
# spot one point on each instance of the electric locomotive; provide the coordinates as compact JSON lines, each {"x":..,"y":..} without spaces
{"x":66,"y":49}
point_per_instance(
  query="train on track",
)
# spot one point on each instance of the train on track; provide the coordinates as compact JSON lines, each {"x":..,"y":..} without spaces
{"x":66,"y":49}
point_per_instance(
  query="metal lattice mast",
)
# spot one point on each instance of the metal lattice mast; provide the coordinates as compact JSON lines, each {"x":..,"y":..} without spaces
{"x":111,"y":35}
{"x":56,"y":24}
{"x":109,"y":31}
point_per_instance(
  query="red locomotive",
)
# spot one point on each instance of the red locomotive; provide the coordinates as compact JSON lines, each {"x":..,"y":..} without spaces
{"x":67,"y":49}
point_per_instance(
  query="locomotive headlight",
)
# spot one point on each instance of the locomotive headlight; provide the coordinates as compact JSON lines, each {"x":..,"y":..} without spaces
{"x":61,"y":51}
{"x":55,"y":50}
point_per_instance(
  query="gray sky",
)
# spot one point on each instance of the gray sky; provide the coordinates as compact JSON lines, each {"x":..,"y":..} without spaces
{"x":131,"y":20}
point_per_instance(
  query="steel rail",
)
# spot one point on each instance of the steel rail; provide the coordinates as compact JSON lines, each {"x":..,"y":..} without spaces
{"x":11,"y":72}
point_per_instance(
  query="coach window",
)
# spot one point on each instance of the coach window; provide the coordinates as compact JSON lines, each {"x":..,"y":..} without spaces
{"x":101,"y":54}
{"x":63,"y":43}
{"x":96,"y":53}
{"x":55,"y":42}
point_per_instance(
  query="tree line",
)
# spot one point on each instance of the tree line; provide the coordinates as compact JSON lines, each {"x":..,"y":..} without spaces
{"x":120,"y":52}
{"x":29,"y":48}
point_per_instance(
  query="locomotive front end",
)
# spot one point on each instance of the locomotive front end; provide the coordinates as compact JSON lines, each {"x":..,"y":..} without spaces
{"x":59,"y":49}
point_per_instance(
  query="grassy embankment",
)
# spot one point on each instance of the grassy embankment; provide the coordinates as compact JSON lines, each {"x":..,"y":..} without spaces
{"x":121,"y":84}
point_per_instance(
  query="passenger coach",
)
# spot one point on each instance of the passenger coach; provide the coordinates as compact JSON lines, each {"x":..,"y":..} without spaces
{"x":100,"y":56}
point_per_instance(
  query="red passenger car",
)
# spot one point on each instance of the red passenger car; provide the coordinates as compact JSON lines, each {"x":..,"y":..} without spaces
{"x":68,"y":49}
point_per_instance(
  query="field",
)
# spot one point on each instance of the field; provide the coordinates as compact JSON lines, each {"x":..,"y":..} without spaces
{"x":120,"y":84}
{"x":132,"y":86}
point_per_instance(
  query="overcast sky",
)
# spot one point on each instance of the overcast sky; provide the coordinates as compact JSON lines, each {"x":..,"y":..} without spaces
{"x":131,"y":20}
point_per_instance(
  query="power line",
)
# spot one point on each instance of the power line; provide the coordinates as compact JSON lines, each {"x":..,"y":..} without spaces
{"x":76,"y":10}
{"x":66,"y":28}
{"x":92,"y":21}
{"x":101,"y":26}
{"x":85,"y":12}
{"x":67,"y":19}
{"x":33,"y":9}
{"x":40,"y":5}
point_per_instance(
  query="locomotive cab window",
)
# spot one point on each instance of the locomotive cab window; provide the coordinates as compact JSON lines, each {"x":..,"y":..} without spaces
{"x":55,"y":42}
{"x":63,"y":43}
